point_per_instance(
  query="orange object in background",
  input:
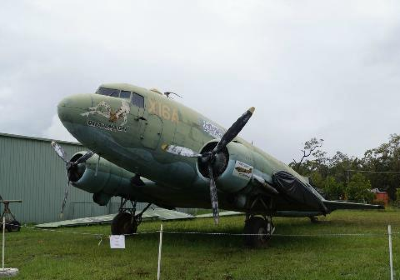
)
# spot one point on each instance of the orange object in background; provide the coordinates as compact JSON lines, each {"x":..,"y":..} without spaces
{"x":380,"y":196}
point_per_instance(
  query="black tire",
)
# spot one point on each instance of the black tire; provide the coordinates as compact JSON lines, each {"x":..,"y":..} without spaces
{"x":257,"y":225}
{"x":123,"y":224}
{"x":13,"y":226}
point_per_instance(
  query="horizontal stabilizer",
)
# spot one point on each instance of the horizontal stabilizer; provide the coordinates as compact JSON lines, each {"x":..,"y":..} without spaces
{"x":335,"y":205}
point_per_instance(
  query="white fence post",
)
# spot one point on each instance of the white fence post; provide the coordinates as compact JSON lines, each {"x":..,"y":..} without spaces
{"x":3,"y":243}
{"x":390,"y":252}
{"x":159,"y":254}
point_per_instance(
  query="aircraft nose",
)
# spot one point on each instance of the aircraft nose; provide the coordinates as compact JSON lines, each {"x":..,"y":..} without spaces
{"x":72,"y":106}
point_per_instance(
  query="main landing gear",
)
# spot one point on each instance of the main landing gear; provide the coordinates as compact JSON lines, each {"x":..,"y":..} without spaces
{"x":259,"y":230}
{"x":126,"y":221}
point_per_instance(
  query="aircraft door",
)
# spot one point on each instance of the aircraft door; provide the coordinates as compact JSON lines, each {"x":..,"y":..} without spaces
{"x":137,"y":113}
{"x":151,"y":131}
{"x":137,"y":105}
{"x":151,"y":126}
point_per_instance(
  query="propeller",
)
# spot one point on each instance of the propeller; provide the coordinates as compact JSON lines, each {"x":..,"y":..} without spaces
{"x":71,"y":168}
{"x":211,"y":158}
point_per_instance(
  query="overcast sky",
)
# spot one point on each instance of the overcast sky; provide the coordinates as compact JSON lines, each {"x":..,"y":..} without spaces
{"x":329,"y":69}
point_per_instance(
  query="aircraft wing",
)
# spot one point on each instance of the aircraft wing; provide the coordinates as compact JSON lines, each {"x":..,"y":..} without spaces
{"x":293,"y":189}
{"x":335,"y":205}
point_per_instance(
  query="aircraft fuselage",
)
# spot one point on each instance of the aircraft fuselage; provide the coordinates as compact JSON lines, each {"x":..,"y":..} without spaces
{"x":130,"y":133}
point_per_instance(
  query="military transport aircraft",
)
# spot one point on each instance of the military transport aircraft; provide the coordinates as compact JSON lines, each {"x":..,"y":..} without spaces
{"x":145,"y":147}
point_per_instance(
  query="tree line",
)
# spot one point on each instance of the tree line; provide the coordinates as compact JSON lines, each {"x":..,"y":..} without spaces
{"x":348,"y":177}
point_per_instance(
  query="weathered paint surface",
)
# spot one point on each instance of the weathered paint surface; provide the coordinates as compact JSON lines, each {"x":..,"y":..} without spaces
{"x":161,"y":123}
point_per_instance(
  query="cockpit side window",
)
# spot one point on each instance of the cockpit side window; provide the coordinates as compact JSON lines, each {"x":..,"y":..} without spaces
{"x":125,"y":94}
{"x":108,"y":91}
{"x":137,"y":100}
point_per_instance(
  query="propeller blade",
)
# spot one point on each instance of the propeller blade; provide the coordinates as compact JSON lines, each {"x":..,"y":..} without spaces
{"x":180,"y":151}
{"x":64,"y":200}
{"x":213,"y":195}
{"x":60,"y":151}
{"x":234,"y":130}
{"x":84,"y":158}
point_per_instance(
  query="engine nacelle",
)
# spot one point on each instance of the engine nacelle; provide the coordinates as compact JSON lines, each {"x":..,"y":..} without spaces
{"x":233,"y":167}
{"x":110,"y":180}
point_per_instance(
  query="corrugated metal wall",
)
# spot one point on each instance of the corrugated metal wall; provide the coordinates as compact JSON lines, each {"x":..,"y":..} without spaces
{"x":30,"y":170}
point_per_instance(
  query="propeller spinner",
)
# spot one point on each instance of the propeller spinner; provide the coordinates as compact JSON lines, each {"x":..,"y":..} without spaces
{"x":71,"y":167}
{"x":210,"y":157}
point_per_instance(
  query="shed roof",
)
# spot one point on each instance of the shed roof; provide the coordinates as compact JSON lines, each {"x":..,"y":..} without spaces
{"x":37,"y":138}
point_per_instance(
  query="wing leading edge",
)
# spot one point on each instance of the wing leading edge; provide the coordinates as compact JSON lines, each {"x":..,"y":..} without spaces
{"x":336,"y":205}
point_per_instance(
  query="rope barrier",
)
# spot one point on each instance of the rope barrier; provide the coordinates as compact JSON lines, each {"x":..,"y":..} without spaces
{"x":102,"y":235}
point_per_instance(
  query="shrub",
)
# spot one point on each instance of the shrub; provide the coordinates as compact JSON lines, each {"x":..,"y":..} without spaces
{"x":359,"y":189}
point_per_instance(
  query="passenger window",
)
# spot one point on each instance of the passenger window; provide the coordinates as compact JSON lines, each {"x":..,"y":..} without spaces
{"x":125,"y":94}
{"x":108,"y":91}
{"x":137,"y":100}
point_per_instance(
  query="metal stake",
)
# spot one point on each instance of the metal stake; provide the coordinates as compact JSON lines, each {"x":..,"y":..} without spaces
{"x":159,"y":254}
{"x":390,"y":252}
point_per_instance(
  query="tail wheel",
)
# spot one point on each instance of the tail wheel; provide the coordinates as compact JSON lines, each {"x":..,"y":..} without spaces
{"x":262,"y":230}
{"x":123,"y":223}
{"x":13,"y":226}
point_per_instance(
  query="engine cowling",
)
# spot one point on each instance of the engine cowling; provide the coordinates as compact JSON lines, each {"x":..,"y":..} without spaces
{"x":233,"y":167}
{"x":109,"y":181}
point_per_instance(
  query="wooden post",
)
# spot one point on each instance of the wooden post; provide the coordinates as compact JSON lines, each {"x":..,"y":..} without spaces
{"x":159,"y":254}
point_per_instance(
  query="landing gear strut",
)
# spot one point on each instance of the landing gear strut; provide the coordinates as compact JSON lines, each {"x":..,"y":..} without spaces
{"x":126,"y":221}
{"x":262,"y":229}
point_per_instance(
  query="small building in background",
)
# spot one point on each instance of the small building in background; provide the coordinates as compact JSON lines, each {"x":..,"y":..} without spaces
{"x":30,"y":170}
{"x":381,"y":197}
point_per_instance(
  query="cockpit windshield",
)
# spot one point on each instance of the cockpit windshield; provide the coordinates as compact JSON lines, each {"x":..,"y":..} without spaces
{"x":135,"y":99}
{"x":125,"y":94}
{"x":108,"y":91}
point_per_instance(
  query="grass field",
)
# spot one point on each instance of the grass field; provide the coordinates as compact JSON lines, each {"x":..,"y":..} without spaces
{"x":66,"y":255}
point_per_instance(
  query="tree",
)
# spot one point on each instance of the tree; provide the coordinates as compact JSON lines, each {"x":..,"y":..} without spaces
{"x":311,"y":148}
{"x":384,"y":162}
{"x":334,"y":190}
{"x":381,"y":166}
{"x":317,"y":180}
{"x":359,"y":189}
{"x":397,"y":201}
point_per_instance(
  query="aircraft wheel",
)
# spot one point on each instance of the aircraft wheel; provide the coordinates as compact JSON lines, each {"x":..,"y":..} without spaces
{"x":123,"y":224}
{"x":13,"y":226}
{"x":257,"y":225}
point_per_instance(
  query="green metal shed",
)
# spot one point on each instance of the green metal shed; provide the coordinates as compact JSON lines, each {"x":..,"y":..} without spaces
{"x":30,"y":170}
